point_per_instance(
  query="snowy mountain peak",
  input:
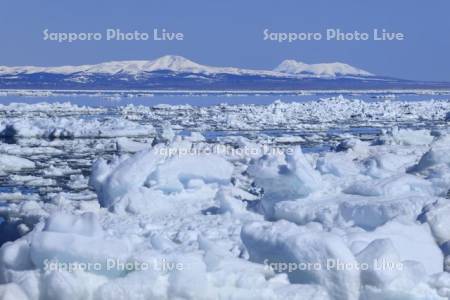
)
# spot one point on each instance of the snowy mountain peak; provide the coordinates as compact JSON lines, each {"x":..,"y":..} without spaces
{"x":174,"y":63}
{"x":294,"y":67}
{"x":179,"y":64}
{"x":166,"y":63}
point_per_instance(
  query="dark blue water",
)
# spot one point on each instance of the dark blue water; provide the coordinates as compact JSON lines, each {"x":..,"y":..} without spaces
{"x":112,"y":100}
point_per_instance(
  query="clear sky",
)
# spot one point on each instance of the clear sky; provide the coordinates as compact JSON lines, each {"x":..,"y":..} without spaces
{"x":230,"y":32}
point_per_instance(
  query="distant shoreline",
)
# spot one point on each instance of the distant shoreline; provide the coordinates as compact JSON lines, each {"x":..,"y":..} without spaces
{"x":144,"y":92}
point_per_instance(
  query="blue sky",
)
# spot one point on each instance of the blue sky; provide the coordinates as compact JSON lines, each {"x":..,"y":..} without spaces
{"x":230,"y":32}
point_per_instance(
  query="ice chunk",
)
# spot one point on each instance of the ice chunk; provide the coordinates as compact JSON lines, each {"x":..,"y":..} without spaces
{"x":408,"y":137}
{"x":136,"y":285}
{"x":431,"y":158}
{"x":14,"y":163}
{"x":382,"y":164}
{"x":188,"y":283}
{"x":353,"y":145}
{"x":12,"y":291}
{"x":383,"y":261}
{"x":338,"y":164}
{"x":418,"y":292}
{"x":393,"y":186}
{"x":14,"y":256}
{"x":70,"y":242}
{"x":72,"y":128}
{"x":175,"y":174}
{"x":229,"y":204}
{"x":321,"y":253}
{"x":284,"y":178}
{"x":61,"y":284}
{"x":112,"y":181}
{"x":154,"y":176}
{"x":86,"y":224}
{"x":412,"y":242}
{"x":165,"y":133}
{"x":371,"y":213}
{"x":127,"y":145}
{"x":340,"y":209}
{"x":437,"y":216}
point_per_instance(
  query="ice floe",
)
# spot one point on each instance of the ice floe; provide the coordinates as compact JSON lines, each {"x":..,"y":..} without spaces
{"x":135,"y":204}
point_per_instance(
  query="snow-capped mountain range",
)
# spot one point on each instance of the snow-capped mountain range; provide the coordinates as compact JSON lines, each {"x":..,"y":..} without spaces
{"x":176,"y":72}
{"x":290,"y":66}
{"x":180,"y":64}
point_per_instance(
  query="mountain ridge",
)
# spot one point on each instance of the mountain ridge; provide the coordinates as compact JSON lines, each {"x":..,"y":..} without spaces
{"x":178,"y":63}
{"x":172,"y":72}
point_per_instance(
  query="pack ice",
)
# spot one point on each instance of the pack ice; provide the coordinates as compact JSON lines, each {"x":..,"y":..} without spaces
{"x":162,"y":214}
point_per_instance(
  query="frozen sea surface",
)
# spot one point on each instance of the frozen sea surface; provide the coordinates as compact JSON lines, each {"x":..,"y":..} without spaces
{"x":328,"y":197}
{"x":121,"y":98}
